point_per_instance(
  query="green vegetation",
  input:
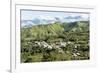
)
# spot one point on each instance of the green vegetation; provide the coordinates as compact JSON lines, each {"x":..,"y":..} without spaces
{"x":55,"y":42}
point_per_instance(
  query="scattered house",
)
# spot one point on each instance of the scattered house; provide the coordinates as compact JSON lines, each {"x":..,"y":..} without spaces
{"x":70,"y":42}
{"x":74,"y":54}
{"x":37,"y":43}
{"x":56,"y":47}
{"x":75,"y":50}
{"x":46,"y":45}
{"x":61,"y":51}
{"x":67,"y":52}
{"x":63,"y":44}
{"x":78,"y":54}
{"x":43,"y":44}
{"x":75,"y":46}
{"x":50,"y":47}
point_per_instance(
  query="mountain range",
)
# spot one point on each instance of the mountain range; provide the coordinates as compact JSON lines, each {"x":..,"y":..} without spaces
{"x":44,"y":21}
{"x":41,"y":31}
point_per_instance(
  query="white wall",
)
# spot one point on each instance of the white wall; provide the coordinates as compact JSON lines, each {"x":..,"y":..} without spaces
{"x":5,"y":35}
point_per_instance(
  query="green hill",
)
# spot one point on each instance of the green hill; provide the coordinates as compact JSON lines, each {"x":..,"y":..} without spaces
{"x":42,"y":31}
{"x":55,"y":42}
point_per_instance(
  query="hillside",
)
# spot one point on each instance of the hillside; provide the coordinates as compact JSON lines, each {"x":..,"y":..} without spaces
{"x":55,"y":42}
{"x":55,"y":29}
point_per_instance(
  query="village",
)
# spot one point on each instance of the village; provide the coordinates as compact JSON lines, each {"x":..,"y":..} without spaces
{"x":58,"y":46}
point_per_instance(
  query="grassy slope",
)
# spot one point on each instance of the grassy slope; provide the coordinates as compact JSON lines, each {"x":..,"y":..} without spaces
{"x":77,"y":32}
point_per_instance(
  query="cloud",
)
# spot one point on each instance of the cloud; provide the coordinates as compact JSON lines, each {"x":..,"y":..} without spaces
{"x":40,"y":17}
{"x":44,"y":17}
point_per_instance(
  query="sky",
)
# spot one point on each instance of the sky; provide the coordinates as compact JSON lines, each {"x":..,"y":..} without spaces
{"x":50,"y":15}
